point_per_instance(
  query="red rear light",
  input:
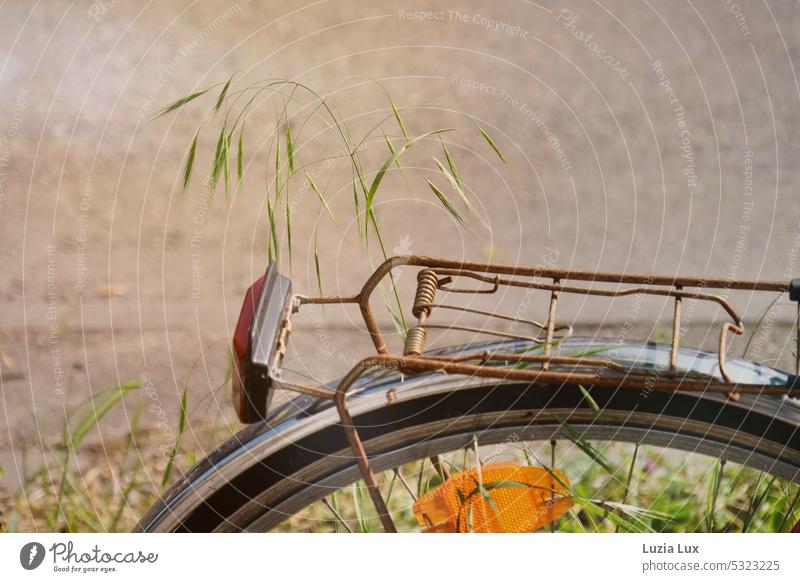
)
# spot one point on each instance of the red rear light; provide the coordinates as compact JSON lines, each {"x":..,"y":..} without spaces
{"x":255,"y":342}
{"x":241,"y":348}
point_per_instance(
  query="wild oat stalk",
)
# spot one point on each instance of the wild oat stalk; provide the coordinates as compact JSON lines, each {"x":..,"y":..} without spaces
{"x":229,"y":112}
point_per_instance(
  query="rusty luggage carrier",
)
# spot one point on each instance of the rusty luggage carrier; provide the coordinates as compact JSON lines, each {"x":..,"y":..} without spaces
{"x":438,"y":276}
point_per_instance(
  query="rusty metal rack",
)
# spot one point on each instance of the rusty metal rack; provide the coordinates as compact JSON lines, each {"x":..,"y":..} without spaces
{"x":440,"y":275}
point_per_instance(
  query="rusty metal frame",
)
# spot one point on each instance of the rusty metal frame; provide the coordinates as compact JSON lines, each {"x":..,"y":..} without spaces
{"x":438,"y":274}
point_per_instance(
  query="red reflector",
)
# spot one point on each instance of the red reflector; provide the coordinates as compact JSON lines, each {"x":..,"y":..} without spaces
{"x":241,"y":349}
{"x":259,"y":343}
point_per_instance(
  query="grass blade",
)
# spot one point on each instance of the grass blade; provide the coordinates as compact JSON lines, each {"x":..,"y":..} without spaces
{"x":277,"y":170}
{"x":760,"y":322}
{"x":420,"y":475}
{"x":240,"y":156}
{"x":222,"y":94}
{"x":321,"y":198}
{"x":226,"y":165}
{"x":398,"y":118}
{"x":376,"y":181}
{"x":316,"y":266}
{"x":713,"y":493}
{"x":629,"y":480}
{"x":174,"y":452}
{"x":755,"y":502}
{"x":397,"y":315}
{"x":362,"y":523}
{"x":455,"y":185}
{"x":589,"y":400}
{"x":271,"y":210}
{"x":624,"y":516}
{"x":358,"y":211}
{"x":131,"y":483}
{"x":588,"y":449}
{"x":189,"y":164}
{"x":274,"y":247}
{"x":289,"y":146}
{"x":445,"y":201}
{"x":72,"y":438}
{"x":789,"y":512}
{"x":452,"y":165}
{"x":394,"y":153}
{"x":289,"y":230}
{"x":98,"y":412}
{"x":178,"y":103}
{"x":402,"y":329}
{"x":493,"y":145}
{"x":219,"y":160}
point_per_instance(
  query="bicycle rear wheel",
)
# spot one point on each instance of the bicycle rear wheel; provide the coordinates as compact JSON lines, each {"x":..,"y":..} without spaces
{"x":273,"y":470}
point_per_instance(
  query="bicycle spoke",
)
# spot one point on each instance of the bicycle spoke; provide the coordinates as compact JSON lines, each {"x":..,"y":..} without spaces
{"x":717,"y":475}
{"x":629,"y":479}
{"x":405,"y":484}
{"x":336,"y":514}
{"x":437,"y":464}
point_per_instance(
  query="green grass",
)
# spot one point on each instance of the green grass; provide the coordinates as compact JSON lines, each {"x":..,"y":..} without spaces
{"x":616,"y":487}
{"x":85,"y":485}
{"x":644,"y":489}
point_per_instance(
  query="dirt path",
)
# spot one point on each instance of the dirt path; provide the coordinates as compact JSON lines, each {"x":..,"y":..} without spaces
{"x":638,"y":138}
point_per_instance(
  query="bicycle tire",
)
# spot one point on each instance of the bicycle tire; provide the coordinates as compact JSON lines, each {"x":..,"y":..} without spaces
{"x":271,"y":470}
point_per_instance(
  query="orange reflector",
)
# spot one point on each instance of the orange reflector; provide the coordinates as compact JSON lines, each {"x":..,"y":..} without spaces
{"x":512,"y":498}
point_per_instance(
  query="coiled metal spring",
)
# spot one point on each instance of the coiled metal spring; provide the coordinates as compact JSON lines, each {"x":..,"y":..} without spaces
{"x":415,"y":341}
{"x":427,"y":283}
